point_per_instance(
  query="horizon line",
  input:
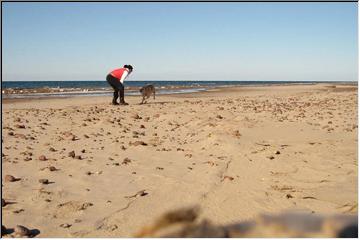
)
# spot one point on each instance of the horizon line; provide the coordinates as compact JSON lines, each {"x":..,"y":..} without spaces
{"x":184,"y":80}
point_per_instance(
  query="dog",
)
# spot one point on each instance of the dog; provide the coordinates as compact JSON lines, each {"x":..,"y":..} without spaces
{"x":146,"y":92}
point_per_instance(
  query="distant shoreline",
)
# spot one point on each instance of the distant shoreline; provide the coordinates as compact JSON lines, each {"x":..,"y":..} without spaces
{"x":184,"y":91}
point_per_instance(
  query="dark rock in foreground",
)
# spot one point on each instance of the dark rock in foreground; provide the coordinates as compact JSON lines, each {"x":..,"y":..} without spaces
{"x":184,"y":223}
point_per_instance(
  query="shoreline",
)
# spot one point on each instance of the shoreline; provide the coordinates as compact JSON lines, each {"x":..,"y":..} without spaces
{"x":36,"y":93}
{"x":208,"y":92}
{"x":196,"y":91}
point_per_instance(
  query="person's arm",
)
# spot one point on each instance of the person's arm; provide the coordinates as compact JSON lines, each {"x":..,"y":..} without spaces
{"x":125,"y":74}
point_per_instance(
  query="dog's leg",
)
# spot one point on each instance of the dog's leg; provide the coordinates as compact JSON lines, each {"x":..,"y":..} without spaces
{"x":154,"y":94}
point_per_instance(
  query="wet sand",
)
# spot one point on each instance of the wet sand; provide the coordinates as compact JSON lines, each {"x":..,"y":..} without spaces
{"x":86,"y":168}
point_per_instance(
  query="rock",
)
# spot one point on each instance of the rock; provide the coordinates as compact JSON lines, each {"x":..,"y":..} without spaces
{"x":84,"y":206}
{"x":179,"y":216}
{"x":18,"y":211}
{"x":71,"y":154}
{"x":137,"y":143}
{"x":3,"y":230}
{"x":289,"y":196}
{"x":83,"y":151}
{"x":65,"y":225}
{"x":126,"y":161}
{"x":10,"y":178}
{"x":271,"y":157}
{"x":228,"y":177}
{"x":52,"y":168}
{"x":181,"y":223}
{"x":44,"y":181}
{"x":237,"y":133}
{"x":52,"y":149}
{"x":136,"y":116}
{"x":277,"y":152}
{"x":142,"y":126}
{"x":42,"y":158}
{"x":21,"y":231}
{"x":219,"y":117}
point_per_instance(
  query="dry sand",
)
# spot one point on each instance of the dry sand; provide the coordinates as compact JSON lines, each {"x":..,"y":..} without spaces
{"x":236,"y":152}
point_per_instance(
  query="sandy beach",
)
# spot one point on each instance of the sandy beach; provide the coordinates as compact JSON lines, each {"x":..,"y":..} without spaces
{"x":85,"y":168}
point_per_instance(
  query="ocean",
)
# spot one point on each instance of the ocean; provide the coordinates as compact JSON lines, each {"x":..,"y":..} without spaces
{"x":36,"y":89}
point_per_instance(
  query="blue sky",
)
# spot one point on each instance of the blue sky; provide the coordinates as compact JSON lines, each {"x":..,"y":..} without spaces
{"x":180,"y":41}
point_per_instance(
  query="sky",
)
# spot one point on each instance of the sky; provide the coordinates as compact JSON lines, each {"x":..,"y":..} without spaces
{"x":180,"y":41}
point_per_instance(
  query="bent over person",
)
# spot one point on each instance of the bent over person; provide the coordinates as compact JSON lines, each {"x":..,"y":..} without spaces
{"x":116,"y":80}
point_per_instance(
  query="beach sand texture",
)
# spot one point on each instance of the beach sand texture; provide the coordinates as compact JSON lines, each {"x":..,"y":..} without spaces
{"x":85,"y":168}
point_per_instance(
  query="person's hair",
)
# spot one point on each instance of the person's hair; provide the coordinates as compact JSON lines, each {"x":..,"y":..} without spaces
{"x":128,"y":67}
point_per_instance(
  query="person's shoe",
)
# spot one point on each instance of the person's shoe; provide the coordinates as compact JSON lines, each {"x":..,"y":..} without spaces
{"x":124,"y":103}
{"x":115,"y":103}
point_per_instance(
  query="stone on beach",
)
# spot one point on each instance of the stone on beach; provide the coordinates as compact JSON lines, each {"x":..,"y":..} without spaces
{"x":52,"y":168}
{"x":65,"y":225}
{"x":182,"y":223}
{"x":137,"y":143}
{"x":44,"y":181}
{"x":42,"y":158}
{"x":126,"y":161}
{"x":21,"y":231}
{"x":3,"y":230}
{"x":10,"y":178}
{"x":237,"y":133}
{"x":52,"y":149}
{"x":136,"y":116}
{"x":71,"y":154}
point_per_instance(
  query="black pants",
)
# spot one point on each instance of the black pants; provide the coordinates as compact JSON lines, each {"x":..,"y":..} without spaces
{"x":118,"y":88}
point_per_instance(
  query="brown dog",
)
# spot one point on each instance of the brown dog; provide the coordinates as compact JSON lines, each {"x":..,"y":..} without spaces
{"x":146,"y":92}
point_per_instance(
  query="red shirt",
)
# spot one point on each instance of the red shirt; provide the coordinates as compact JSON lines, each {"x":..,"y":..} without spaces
{"x":118,"y":73}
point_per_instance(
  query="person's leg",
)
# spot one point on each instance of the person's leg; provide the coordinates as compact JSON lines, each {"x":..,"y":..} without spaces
{"x":122,"y":100}
{"x":114,"y":84}
{"x":116,"y":95}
